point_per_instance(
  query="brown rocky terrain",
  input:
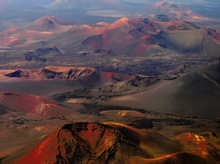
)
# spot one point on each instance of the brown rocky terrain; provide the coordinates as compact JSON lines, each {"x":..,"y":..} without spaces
{"x":111,"y":84}
{"x":52,"y":72}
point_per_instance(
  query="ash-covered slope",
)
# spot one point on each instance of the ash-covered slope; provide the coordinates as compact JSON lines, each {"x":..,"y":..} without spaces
{"x":109,"y":143}
{"x":71,"y":39}
{"x":196,"y":93}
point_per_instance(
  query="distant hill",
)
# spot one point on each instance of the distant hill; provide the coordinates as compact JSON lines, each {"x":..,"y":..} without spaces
{"x":173,"y":10}
{"x":144,"y":37}
{"x":86,"y":12}
{"x":125,"y":37}
{"x":32,"y":35}
{"x":49,"y":22}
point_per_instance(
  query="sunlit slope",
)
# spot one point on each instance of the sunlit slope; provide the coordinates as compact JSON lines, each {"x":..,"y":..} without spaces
{"x":111,"y":142}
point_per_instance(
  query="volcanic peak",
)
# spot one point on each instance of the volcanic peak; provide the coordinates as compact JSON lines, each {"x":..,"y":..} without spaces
{"x":49,"y":22}
{"x":75,"y":143}
{"x":165,"y":4}
{"x":119,"y":23}
{"x":84,"y":142}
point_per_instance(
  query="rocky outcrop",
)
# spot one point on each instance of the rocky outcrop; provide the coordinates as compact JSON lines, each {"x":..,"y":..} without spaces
{"x":141,"y":81}
{"x":53,"y":72}
{"x":71,"y":73}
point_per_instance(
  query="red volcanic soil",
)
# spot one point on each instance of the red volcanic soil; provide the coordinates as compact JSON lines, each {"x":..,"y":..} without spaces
{"x":32,"y":105}
{"x":74,"y":143}
{"x":141,"y":36}
{"x":194,"y":143}
{"x":111,"y":76}
{"x":127,"y":24}
{"x":97,"y":138}
{"x":123,"y":36}
{"x":106,"y":143}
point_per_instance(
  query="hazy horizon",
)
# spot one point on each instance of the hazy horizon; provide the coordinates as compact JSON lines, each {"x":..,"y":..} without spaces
{"x":80,"y":11}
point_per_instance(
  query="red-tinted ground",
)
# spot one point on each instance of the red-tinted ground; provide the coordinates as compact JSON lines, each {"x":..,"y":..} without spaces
{"x":32,"y":105}
{"x":113,"y":142}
